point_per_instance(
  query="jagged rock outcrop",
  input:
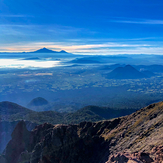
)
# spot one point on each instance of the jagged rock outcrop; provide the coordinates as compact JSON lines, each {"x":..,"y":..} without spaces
{"x":59,"y":143}
{"x":136,"y":138}
{"x":19,"y":143}
{"x":130,"y":158}
{"x":6,"y":129}
{"x":155,"y":156}
{"x":157,"y":152}
{"x":120,"y":158}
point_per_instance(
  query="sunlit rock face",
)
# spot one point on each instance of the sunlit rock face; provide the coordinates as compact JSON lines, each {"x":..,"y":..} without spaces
{"x":155,"y":156}
{"x":130,"y":158}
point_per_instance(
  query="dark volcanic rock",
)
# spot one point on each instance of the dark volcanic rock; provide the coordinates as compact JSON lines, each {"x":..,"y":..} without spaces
{"x":2,"y":159}
{"x":158,"y":153}
{"x":144,"y":157}
{"x":6,"y":129}
{"x":19,"y":143}
{"x":57,"y":143}
{"x":118,"y":158}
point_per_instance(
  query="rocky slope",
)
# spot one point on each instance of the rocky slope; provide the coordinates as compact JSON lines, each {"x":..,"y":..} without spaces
{"x":59,"y":143}
{"x":134,"y":138}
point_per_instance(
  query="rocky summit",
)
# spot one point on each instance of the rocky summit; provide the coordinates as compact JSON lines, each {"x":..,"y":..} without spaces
{"x":136,"y":138}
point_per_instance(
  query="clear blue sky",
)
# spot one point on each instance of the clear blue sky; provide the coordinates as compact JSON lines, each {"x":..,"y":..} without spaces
{"x":86,"y":26}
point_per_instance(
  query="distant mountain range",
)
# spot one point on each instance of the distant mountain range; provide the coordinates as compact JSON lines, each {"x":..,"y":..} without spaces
{"x":42,"y":50}
{"x":86,"y":60}
{"x":45,"y":50}
{"x":127,"y":72}
{"x":12,"y":112}
{"x":97,"y":59}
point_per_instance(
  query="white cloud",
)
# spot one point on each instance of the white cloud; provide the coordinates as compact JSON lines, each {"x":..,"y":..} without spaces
{"x":16,"y":63}
{"x":14,"y":16}
{"x":100,"y":48}
{"x":139,"y":21}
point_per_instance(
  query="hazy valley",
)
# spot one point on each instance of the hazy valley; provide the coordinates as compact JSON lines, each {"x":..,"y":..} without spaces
{"x":71,"y":86}
{"x":80,"y":97}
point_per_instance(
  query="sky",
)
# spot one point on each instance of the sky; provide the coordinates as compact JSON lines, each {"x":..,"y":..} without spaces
{"x":82,"y":26}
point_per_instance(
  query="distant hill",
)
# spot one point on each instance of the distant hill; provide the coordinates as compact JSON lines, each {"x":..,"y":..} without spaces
{"x":100,"y":59}
{"x":86,"y":60}
{"x":9,"y":108}
{"x":127,"y":72}
{"x":32,"y":58}
{"x":45,"y":50}
{"x":62,"y":51}
{"x":13,"y":112}
{"x":152,"y":68}
{"x":109,"y":67}
{"x":39,"y":101}
{"x":148,"y":73}
{"x":96,"y":113}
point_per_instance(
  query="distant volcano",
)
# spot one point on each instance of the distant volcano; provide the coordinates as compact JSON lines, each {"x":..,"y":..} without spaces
{"x":45,"y":50}
{"x":39,"y":101}
{"x":127,"y":72}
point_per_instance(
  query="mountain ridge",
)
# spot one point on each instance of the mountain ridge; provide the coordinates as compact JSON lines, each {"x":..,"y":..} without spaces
{"x":129,"y":139}
{"x":45,"y":50}
{"x":41,"y":50}
{"x":11,"y":111}
{"x":9,"y":108}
